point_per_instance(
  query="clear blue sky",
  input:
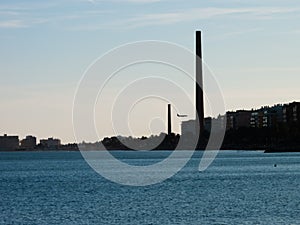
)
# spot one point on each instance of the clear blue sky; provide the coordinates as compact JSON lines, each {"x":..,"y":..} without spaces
{"x":45,"y":46}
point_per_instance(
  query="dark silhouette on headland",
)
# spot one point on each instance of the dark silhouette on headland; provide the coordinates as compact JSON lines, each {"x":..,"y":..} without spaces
{"x":273,"y":129}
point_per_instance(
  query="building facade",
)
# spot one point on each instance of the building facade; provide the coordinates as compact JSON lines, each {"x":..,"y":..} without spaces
{"x":291,"y":113}
{"x":272,"y":116}
{"x":188,"y":127}
{"x":28,"y":143}
{"x":50,"y":143}
{"x":267,"y":117}
{"x":238,"y":119}
{"x":9,"y":143}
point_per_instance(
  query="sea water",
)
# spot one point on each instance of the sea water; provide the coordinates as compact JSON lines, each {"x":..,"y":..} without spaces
{"x":240,"y":187}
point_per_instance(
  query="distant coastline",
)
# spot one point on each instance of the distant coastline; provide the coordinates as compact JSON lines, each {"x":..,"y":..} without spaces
{"x":278,"y":150}
{"x":265,"y":139}
{"x":170,"y":143}
{"x":270,"y":129}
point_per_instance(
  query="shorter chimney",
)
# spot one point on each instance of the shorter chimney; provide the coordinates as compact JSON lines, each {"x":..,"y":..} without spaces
{"x":169,"y":120}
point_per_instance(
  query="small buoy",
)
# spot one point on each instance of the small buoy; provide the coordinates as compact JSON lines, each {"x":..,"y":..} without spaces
{"x":275,"y":165}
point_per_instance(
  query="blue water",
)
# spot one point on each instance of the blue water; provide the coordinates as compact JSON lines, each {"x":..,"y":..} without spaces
{"x":238,"y":188}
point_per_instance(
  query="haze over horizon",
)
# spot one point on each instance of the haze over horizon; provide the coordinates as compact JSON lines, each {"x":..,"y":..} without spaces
{"x":251,"y":47}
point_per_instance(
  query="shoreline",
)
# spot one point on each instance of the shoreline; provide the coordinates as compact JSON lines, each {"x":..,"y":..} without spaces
{"x":130,"y":150}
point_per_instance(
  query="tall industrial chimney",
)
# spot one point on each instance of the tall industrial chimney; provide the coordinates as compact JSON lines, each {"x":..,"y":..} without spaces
{"x":169,"y":120}
{"x":199,"y":84}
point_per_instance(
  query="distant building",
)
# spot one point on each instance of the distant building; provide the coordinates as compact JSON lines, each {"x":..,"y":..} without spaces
{"x":230,"y":124}
{"x":9,"y":142}
{"x":207,"y":123}
{"x":256,"y":120}
{"x":189,"y":134}
{"x":188,"y":127}
{"x":291,"y":112}
{"x":267,"y":117}
{"x":28,"y":143}
{"x":219,"y":123}
{"x":238,"y":119}
{"x":50,"y":143}
{"x":272,"y":116}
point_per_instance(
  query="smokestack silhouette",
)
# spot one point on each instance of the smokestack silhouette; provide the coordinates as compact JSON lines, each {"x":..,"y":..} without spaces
{"x":199,"y":84}
{"x":169,"y":120}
